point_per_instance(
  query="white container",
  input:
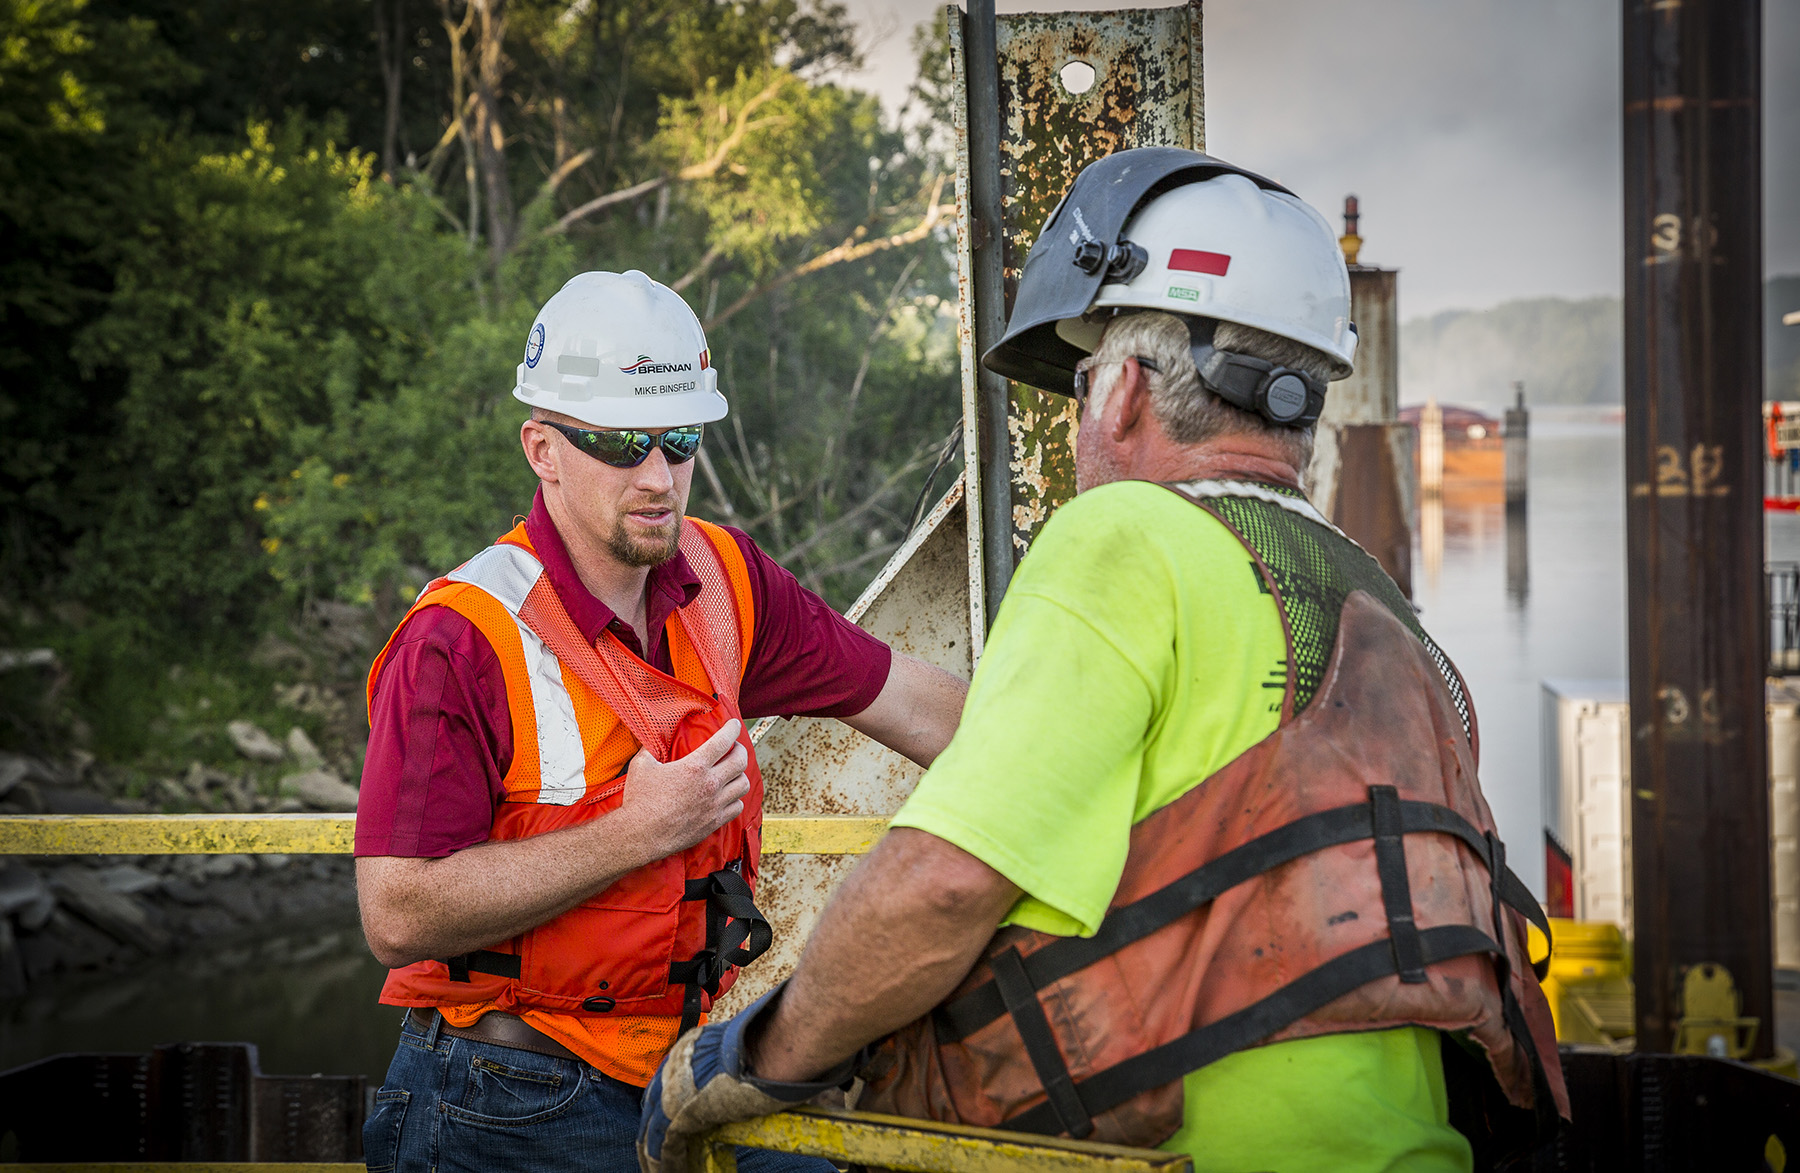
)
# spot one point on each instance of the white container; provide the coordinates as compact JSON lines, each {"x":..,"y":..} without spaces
{"x":1784,"y":819}
{"x":1587,"y":791}
{"x":1587,"y":800}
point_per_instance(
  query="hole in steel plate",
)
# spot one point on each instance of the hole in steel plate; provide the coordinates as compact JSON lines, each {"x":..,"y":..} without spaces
{"x":1078,"y":77}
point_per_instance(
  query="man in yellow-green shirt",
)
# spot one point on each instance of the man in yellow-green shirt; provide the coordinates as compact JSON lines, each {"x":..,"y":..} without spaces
{"x":1151,"y":644}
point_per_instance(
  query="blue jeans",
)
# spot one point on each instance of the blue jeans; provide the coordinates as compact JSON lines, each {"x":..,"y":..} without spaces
{"x":452,"y":1104}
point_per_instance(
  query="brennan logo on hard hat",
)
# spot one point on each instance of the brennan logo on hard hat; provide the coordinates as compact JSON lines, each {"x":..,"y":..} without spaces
{"x":645,"y":365}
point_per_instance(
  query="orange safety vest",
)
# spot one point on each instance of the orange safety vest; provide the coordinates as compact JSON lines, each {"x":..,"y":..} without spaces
{"x":667,"y":938}
{"x":1341,"y":875}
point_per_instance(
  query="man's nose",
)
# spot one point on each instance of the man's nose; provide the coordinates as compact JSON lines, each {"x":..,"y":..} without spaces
{"x":655,"y":475}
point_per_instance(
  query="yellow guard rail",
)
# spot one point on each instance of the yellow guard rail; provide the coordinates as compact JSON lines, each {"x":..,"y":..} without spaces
{"x":332,"y":834}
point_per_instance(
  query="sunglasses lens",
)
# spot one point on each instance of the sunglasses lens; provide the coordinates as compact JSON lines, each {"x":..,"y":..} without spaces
{"x":630,"y":449}
{"x":680,"y":444}
{"x":619,"y":449}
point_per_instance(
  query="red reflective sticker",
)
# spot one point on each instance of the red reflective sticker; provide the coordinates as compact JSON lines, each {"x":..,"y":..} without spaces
{"x":1192,"y":260}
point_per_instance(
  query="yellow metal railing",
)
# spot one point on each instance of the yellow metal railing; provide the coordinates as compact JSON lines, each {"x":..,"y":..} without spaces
{"x":921,"y":1146}
{"x":332,"y":834}
{"x":886,"y":1142}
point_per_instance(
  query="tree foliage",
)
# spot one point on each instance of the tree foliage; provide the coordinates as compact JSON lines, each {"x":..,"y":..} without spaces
{"x":268,"y":270}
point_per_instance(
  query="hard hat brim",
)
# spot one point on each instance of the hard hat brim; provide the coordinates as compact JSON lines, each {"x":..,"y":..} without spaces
{"x":682,"y":410}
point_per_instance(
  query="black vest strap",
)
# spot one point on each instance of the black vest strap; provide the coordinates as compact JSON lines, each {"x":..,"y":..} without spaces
{"x":1292,"y":1002}
{"x":1040,"y":1044}
{"x":1396,"y":887}
{"x":736,"y":934}
{"x":486,"y":961}
{"x":1345,"y":824}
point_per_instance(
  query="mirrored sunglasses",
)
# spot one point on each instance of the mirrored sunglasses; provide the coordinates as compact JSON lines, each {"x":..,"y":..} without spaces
{"x":628,"y":449}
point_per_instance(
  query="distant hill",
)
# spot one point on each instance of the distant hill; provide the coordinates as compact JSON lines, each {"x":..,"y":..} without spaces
{"x":1567,"y":352}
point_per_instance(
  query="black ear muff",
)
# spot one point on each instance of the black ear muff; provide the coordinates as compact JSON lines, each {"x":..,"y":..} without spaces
{"x":1283,"y":396}
{"x":1280,"y":395}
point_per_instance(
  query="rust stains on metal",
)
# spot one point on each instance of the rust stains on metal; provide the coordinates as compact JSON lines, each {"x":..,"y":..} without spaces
{"x":791,"y":892}
{"x":1144,"y":91}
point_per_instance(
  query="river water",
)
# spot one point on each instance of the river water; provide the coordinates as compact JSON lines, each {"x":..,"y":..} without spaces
{"x":308,"y":999}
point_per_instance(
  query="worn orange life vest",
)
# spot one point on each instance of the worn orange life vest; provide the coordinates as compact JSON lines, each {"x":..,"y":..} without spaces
{"x":667,"y":938}
{"x":1341,"y":875}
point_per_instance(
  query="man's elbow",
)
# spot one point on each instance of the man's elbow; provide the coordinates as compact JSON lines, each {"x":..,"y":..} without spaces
{"x":392,"y":937}
{"x":948,"y":884}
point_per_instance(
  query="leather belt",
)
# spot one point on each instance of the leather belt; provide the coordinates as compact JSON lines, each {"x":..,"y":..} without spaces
{"x":501,"y":1029}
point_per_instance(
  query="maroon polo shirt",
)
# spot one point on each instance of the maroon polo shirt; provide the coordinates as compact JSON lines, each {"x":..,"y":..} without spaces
{"x":440,"y":730}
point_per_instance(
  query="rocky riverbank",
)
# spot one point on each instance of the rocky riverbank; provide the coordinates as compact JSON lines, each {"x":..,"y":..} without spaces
{"x":62,"y":915}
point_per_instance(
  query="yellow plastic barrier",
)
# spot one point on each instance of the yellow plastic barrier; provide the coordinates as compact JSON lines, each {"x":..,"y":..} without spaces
{"x":1589,"y":984}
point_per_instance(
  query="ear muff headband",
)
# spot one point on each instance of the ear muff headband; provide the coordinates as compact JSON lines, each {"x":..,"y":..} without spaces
{"x":1280,"y":395}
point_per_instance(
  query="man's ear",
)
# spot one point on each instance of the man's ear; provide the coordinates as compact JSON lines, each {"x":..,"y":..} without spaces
{"x":1131,"y":394}
{"x":540,"y":451}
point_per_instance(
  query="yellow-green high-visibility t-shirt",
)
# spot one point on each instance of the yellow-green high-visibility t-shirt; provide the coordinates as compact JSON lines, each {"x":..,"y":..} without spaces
{"x":1137,"y":653}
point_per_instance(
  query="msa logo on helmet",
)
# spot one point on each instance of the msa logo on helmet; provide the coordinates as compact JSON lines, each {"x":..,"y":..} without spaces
{"x":645,"y":365}
{"x":534,"y":345}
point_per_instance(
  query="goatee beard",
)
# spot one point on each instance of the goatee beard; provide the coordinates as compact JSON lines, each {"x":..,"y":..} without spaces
{"x":644,"y":551}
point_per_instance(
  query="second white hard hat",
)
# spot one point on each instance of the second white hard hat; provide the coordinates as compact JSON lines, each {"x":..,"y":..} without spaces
{"x":1178,"y":230}
{"x":1228,"y":249}
{"x":620,"y":350}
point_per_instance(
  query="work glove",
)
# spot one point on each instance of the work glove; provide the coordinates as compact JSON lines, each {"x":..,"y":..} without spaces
{"x":702,"y":1084}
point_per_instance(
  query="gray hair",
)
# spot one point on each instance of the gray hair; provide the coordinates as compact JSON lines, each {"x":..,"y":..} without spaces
{"x":1188,"y":412}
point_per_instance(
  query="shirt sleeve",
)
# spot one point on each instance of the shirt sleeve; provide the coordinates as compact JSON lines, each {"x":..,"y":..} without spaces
{"x":1041,"y":782}
{"x":805,"y":659}
{"x":440,"y":741}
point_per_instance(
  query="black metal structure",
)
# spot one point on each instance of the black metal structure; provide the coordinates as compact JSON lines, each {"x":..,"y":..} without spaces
{"x":181,"y":1102}
{"x":1669,"y":1112}
{"x":1693,"y":392}
{"x":987,"y":250}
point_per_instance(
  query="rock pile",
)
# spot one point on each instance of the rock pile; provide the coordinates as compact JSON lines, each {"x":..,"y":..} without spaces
{"x":60,"y":914}
{"x":63,"y":914}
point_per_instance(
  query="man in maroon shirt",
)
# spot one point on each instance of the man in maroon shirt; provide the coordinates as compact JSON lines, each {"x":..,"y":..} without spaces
{"x":472,"y":1085}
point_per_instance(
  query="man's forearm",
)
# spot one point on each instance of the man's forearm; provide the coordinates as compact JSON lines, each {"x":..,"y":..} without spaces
{"x":414,"y":909}
{"x":904,"y":929}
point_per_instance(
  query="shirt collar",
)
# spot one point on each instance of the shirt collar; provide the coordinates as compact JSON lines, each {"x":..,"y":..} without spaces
{"x":672,"y":584}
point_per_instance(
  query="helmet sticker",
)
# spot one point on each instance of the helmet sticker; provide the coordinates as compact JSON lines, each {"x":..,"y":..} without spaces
{"x":645,"y":365}
{"x":1183,"y":293}
{"x":534,"y":345}
{"x":1192,"y":260}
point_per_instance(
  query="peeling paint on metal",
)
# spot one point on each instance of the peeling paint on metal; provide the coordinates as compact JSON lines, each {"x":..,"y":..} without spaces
{"x":1146,"y":92}
{"x":918,"y":604}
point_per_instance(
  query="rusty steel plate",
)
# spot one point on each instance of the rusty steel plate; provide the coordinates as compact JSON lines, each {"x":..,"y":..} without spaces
{"x":1147,"y":90}
{"x":814,"y":768}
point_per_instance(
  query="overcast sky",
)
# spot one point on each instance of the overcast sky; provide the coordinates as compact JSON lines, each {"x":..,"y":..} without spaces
{"x":1482,"y":136}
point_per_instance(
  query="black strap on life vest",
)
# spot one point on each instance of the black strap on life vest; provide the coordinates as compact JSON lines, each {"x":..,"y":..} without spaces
{"x":486,"y":961}
{"x":1407,"y":950}
{"x":736,"y":934}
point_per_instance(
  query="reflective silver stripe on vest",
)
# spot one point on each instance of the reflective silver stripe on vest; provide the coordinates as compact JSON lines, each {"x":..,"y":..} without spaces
{"x":508,"y":572}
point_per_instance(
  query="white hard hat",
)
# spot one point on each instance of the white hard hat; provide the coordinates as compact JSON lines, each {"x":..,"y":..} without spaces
{"x":1229,"y":249}
{"x":620,"y":350}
